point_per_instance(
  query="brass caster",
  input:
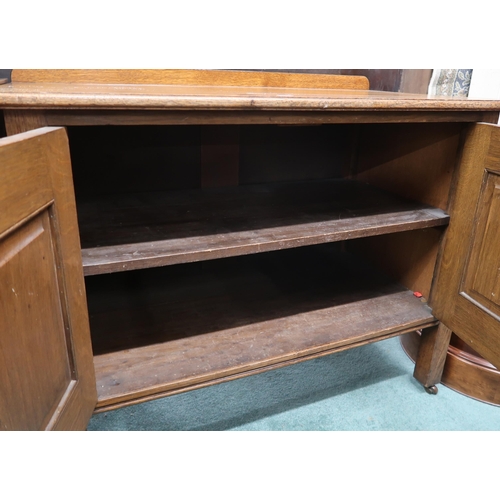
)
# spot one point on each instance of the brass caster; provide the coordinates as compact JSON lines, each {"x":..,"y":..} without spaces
{"x":431,"y":390}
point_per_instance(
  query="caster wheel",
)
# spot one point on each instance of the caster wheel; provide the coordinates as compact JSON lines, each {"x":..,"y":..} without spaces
{"x":431,"y":390}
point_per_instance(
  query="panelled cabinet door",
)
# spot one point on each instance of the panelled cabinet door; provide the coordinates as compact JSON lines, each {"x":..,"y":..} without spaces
{"x":47,"y":378}
{"x":467,"y":297}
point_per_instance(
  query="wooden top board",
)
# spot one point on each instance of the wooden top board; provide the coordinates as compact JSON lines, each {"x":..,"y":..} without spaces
{"x":208,"y":93}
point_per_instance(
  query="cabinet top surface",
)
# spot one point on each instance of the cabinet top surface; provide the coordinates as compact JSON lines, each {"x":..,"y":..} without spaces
{"x":201,"y":97}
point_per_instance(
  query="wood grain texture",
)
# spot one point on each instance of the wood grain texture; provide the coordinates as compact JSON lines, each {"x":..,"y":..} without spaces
{"x":3,"y":132}
{"x":192,"y":77}
{"x":173,"y":329}
{"x":32,"y":326}
{"x":409,"y":257}
{"x":25,"y":188}
{"x":138,"y":231}
{"x":84,"y":117}
{"x":18,"y":121}
{"x":463,"y":372}
{"x":469,"y":376}
{"x":169,"y":329}
{"x":414,"y":160}
{"x":79,"y":402}
{"x":153,"y":394}
{"x":432,"y":355}
{"x":100,"y":96}
{"x":474,"y":321}
{"x":482,"y":278}
{"x":47,"y":371}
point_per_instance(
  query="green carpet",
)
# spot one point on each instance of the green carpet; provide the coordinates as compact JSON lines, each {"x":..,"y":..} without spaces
{"x":365,"y":389}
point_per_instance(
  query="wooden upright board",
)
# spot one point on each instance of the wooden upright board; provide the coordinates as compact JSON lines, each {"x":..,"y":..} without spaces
{"x":47,"y":376}
{"x":468,"y":286}
{"x":193,"y":77}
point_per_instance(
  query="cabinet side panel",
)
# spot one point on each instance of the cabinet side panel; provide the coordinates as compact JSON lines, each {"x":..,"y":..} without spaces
{"x":409,"y":257}
{"x":414,"y":160}
{"x":21,"y":120}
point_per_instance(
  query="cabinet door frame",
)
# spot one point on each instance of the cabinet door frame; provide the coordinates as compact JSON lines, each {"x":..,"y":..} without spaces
{"x":41,"y":254}
{"x":466,"y":259}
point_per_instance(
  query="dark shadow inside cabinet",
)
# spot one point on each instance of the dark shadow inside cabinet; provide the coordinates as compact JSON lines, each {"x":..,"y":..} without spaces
{"x":212,"y":252}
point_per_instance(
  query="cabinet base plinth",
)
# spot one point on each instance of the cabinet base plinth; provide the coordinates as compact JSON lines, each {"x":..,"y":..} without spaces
{"x":464,"y":372}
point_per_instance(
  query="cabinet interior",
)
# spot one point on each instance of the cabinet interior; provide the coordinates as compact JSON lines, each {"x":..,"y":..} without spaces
{"x":213,"y":252}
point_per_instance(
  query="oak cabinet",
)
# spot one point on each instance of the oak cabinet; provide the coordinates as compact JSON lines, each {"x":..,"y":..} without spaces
{"x":223,"y":231}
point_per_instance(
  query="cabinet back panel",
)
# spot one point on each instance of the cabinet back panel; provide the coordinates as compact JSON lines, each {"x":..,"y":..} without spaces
{"x":277,"y":153}
{"x":110,"y":159}
{"x":125,"y":159}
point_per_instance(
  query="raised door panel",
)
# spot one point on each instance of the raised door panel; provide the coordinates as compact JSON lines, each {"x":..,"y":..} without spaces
{"x":46,"y":365}
{"x":482,"y":277}
{"x":468,"y":285}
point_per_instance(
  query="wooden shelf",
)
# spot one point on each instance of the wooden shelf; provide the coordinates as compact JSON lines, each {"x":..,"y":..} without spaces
{"x":136,"y":231}
{"x":161,"y":331}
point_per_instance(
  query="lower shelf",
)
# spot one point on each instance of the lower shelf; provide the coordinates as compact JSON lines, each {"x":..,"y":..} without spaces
{"x":167,"y":330}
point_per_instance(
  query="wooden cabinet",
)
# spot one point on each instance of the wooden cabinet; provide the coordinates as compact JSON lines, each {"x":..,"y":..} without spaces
{"x":224,"y":231}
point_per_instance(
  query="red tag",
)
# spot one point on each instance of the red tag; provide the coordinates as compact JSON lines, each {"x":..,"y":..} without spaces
{"x":417,"y":294}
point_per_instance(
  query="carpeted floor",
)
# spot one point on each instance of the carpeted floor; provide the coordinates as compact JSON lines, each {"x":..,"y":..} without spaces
{"x":365,"y":389}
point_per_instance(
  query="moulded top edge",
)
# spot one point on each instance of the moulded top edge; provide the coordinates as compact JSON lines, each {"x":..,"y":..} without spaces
{"x":112,"y":96}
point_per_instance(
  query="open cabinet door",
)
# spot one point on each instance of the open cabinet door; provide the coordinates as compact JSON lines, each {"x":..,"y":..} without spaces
{"x":468,"y":284}
{"x":47,"y":378}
